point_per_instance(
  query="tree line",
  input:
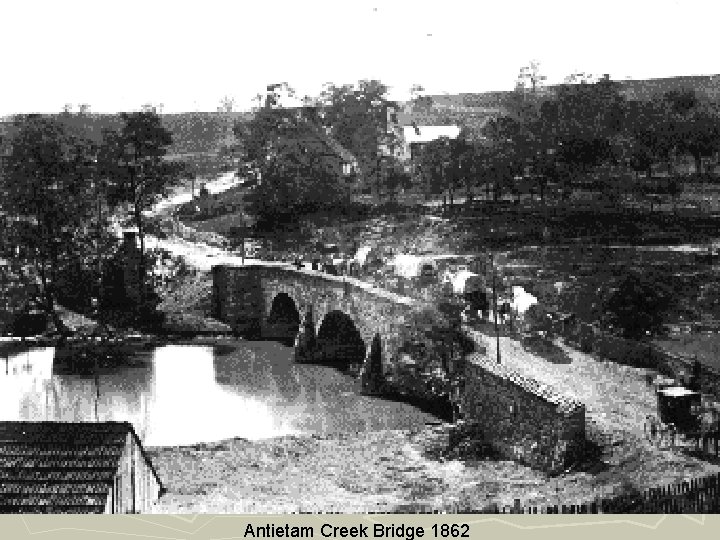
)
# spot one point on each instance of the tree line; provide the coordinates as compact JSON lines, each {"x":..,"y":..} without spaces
{"x":285,"y":150}
{"x":60,"y":187}
{"x":558,"y":135}
{"x":566,"y":133}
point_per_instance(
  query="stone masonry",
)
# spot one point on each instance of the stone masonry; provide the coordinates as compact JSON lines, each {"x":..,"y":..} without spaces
{"x":521,"y":418}
{"x":243,"y":297}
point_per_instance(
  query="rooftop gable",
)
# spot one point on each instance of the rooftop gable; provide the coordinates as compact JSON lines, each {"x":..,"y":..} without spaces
{"x":60,"y":467}
{"x":425,"y":134}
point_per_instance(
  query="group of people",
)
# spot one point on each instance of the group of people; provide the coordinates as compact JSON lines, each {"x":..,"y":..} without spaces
{"x":329,"y":265}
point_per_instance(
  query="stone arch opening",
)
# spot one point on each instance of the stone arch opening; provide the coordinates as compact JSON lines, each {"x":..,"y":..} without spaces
{"x":283,"y":321}
{"x":339,"y":342}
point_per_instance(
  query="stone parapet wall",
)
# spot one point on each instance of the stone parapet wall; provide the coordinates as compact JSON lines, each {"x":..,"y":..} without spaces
{"x":243,"y":295}
{"x":521,"y":418}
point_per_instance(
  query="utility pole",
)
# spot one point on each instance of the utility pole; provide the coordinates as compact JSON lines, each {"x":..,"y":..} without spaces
{"x":98,"y":253}
{"x":378,"y":175}
{"x":495,"y":309}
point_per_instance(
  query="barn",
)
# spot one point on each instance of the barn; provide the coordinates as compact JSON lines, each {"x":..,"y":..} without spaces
{"x":74,"y":468}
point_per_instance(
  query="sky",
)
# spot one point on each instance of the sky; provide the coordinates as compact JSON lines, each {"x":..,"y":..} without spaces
{"x":187,"y":55}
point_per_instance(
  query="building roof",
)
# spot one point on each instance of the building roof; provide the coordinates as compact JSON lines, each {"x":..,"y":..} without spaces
{"x":677,"y":391}
{"x":337,"y":148}
{"x":424,"y":134}
{"x":313,"y":134}
{"x":473,"y":120}
{"x":60,"y":467}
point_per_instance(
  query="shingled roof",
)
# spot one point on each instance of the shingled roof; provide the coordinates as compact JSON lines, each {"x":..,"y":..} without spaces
{"x":59,"y":467}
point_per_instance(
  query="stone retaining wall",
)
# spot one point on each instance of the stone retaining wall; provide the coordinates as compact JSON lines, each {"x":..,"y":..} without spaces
{"x":523,"y":419}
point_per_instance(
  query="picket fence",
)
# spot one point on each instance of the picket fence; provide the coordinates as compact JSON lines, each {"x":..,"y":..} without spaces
{"x":696,"y":496}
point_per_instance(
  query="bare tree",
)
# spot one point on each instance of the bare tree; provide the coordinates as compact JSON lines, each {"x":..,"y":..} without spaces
{"x":227,"y":104}
{"x":530,"y":77}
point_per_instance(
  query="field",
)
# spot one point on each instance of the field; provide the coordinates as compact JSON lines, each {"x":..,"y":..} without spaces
{"x":706,"y":346}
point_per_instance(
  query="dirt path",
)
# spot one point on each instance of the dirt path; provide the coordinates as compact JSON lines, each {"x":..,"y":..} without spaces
{"x":616,"y":397}
{"x":182,"y":194}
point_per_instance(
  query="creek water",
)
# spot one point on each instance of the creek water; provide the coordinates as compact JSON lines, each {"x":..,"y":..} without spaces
{"x":181,"y":395}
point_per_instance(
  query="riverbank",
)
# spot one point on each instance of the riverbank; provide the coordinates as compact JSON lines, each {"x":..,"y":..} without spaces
{"x":417,"y":469}
{"x":384,"y":471}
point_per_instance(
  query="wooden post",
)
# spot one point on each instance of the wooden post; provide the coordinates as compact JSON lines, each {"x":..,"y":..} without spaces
{"x":495,"y":309}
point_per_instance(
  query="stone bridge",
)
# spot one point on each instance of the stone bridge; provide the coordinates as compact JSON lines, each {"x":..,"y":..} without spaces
{"x":328,"y":318}
{"x":338,"y":319}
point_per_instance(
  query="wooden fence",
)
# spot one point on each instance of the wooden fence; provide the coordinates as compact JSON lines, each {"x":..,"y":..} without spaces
{"x":697,"y":496}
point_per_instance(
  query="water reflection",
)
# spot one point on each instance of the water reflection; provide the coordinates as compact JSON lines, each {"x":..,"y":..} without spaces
{"x":188,"y":404}
{"x":188,"y":394}
{"x":25,"y":381}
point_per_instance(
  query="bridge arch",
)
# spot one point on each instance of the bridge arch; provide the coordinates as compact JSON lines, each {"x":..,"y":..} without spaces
{"x":283,"y":321}
{"x":339,"y":341}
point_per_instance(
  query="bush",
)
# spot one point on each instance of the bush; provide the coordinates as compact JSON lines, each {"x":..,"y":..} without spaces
{"x":122,"y":311}
{"x":439,"y":348}
{"x":75,"y":286}
{"x":638,"y":305}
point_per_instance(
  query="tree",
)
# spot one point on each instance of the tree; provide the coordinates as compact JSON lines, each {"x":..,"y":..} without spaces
{"x":502,"y":156}
{"x":514,"y":141}
{"x":397,"y":179}
{"x":585,"y":298}
{"x":227,"y":104}
{"x":637,"y":306}
{"x":708,"y":298}
{"x":649,"y":137}
{"x":436,"y":340}
{"x":418,"y":100}
{"x":132,"y":162}
{"x":581,"y":122}
{"x":48,"y":195}
{"x":357,"y":116}
{"x":445,"y":164}
{"x":462,"y":164}
{"x":284,"y":152}
{"x":538,"y":319}
{"x":530,"y":77}
{"x":699,"y":133}
{"x":434,"y":159}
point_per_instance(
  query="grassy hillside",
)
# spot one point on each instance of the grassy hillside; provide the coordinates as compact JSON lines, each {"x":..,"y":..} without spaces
{"x":196,"y":132}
